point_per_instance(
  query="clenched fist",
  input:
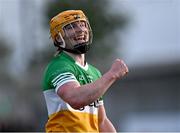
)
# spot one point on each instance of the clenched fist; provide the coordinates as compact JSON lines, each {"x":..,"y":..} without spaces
{"x":118,"y":69}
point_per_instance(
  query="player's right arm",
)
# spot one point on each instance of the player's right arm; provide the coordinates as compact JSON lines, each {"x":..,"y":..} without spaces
{"x":81,"y":95}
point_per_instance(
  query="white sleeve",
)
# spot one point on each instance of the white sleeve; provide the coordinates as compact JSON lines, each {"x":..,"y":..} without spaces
{"x":62,"y":79}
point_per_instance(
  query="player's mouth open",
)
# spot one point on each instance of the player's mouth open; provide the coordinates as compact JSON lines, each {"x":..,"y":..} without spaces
{"x":80,"y":38}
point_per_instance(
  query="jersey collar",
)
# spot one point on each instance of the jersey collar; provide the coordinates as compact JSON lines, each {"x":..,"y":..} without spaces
{"x":83,"y":67}
{"x":77,"y":63}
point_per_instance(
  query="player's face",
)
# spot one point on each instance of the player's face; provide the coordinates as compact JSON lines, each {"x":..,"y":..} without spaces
{"x":77,"y":32}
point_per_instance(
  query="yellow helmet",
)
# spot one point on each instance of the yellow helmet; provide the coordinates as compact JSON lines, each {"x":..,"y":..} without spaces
{"x":64,"y":18}
{"x":58,"y":28}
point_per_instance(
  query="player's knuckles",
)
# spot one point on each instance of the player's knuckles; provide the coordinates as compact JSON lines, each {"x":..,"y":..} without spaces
{"x":118,"y":61}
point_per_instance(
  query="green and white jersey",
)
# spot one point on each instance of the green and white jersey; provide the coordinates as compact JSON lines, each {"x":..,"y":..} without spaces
{"x":62,"y":117}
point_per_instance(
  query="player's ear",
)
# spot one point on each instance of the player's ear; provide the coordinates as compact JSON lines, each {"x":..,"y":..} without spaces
{"x":59,"y":41}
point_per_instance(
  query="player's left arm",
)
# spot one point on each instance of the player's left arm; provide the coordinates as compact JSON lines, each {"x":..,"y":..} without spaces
{"x":105,"y":124}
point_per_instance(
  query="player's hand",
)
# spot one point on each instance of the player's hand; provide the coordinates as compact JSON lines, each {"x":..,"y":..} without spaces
{"x":118,"y":69}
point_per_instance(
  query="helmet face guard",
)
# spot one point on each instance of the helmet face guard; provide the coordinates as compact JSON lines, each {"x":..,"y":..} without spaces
{"x":75,"y":35}
{"x":78,"y":36}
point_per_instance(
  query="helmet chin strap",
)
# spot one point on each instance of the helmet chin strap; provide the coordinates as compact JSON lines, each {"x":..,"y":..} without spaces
{"x":78,"y":48}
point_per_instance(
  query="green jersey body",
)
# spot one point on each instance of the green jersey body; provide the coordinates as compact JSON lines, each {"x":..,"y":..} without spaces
{"x":62,"y":117}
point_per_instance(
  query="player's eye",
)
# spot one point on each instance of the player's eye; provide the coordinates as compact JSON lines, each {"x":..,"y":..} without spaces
{"x":83,"y":24}
{"x":68,"y":27}
{"x":74,"y":25}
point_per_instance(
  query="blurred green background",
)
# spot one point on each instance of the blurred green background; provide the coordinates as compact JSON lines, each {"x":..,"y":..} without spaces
{"x":144,"y":33}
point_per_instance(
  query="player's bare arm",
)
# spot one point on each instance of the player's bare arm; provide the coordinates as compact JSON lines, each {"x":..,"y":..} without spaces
{"x":78,"y":96}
